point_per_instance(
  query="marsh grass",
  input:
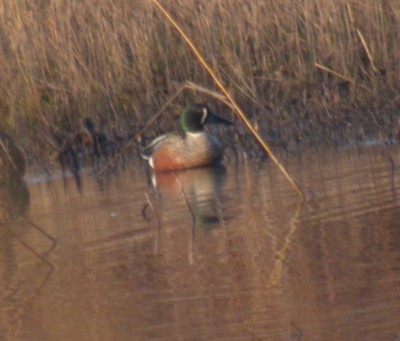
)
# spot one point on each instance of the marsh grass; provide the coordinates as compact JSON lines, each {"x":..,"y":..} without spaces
{"x":311,"y":71}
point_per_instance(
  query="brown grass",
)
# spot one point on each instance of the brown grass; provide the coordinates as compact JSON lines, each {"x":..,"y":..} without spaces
{"x":312,"y":70}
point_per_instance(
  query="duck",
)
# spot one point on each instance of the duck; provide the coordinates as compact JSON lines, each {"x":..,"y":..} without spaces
{"x":195,"y":147}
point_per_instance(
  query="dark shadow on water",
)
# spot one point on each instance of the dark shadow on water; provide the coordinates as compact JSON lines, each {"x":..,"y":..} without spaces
{"x":14,"y":196}
{"x":91,"y":149}
{"x":14,"y":205}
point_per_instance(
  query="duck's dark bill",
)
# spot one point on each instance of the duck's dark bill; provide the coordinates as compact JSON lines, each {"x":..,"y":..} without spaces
{"x":212,"y":118}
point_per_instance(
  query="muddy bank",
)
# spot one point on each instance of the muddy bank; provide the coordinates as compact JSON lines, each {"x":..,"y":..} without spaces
{"x":290,"y":132}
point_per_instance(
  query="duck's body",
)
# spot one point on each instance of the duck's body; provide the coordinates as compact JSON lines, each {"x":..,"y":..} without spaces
{"x":173,"y":152}
{"x":196,"y":148}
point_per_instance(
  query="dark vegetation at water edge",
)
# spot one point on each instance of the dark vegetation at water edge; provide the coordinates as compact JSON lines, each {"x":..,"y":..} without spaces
{"x":306,"y":72}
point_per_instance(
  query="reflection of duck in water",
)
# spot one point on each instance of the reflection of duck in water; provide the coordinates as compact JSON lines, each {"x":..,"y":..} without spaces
{"x":201,"y":189}
{"x":196,"y":148}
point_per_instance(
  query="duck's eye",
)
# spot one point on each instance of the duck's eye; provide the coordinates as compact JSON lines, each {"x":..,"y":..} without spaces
{"x":204,"y":115}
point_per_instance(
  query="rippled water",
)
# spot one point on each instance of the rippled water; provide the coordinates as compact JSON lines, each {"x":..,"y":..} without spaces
{"x":212,"y":254}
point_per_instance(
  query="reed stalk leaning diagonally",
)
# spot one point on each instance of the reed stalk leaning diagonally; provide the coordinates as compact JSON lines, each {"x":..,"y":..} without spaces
{"x":236,"y":108}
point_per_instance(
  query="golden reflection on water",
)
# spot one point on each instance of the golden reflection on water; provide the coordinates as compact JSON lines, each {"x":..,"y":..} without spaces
{"x":212,"y":254}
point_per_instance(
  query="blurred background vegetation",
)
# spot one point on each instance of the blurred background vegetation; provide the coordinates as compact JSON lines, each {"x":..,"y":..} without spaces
{"x":307,"y":72}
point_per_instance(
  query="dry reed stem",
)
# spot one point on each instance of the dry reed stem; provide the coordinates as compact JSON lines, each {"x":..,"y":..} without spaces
{"x":367,"y":51}
{"x":216,"y":95}
{"x":237,"y":110}
{"x":338,"y":75}
{"x":332,"y":72}
{"x":9,"y":157}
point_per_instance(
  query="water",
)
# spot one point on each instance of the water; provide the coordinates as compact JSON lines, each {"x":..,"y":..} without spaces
{"x":225,"y":254}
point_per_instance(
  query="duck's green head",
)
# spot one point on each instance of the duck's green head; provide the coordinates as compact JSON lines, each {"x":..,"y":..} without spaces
{"x":195,"y":116}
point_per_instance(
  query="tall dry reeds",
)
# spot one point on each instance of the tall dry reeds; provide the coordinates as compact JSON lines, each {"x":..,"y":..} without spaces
{"x":304,"y":70}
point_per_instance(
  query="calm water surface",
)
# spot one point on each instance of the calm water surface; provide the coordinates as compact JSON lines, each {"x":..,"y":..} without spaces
{"x":212,"y":254}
